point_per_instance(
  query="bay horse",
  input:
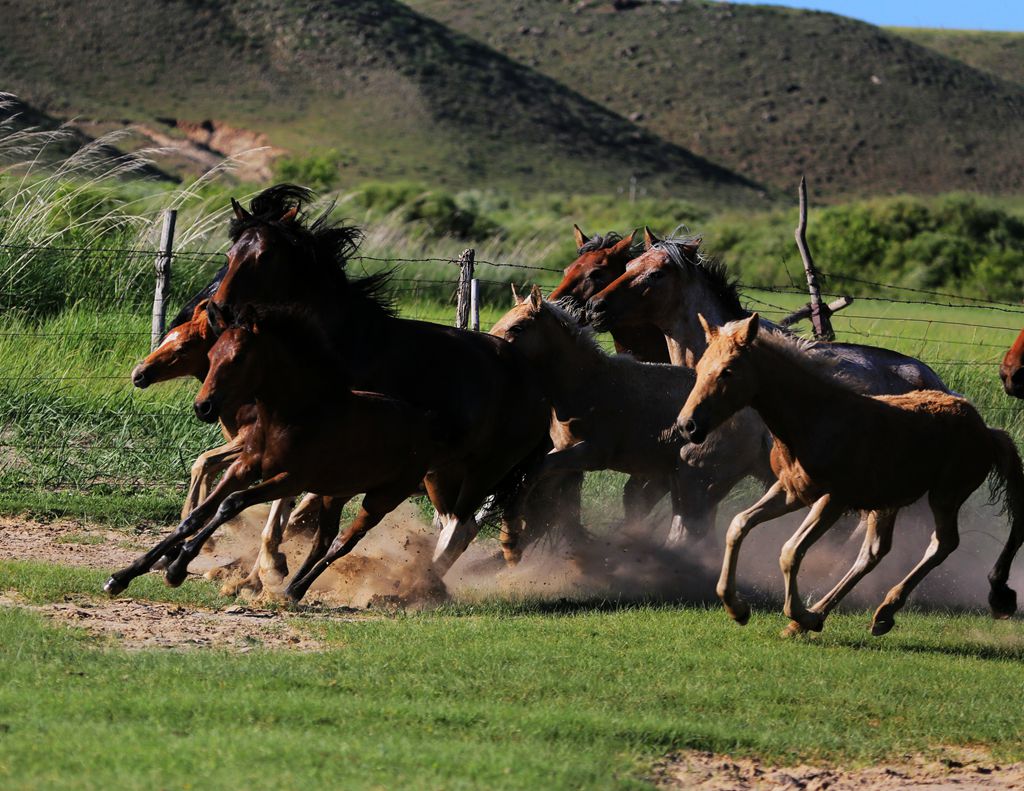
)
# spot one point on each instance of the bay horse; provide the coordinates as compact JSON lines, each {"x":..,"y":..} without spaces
{"x":671,"y":282}
{"x":321,"y":436}
{"x":837,"y":449}
{"x":599,"y":261}
{"x":1011,"y":369}
{"x":481,"y":391}
{"x":183,"y":352}
{"x":613,"y":412}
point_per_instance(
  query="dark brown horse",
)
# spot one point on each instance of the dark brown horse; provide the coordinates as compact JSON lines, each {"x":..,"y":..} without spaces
{"x":1011,"y":370}
{"x":600,"y":260}
{"x":481,"y":391}
{"x":292,"y":439}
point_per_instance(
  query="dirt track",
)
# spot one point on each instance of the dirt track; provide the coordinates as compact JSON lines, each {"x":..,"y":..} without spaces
{"x":961,"y":770}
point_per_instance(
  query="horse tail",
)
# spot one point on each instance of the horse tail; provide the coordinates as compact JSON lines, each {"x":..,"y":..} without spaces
{"x":1007,"y":484}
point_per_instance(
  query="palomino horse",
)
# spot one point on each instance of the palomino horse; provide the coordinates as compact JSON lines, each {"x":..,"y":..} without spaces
{"x":484,"y":397}
{"x":1011,"y":370}
{"x":837,"y":449}
{"x":671,"y":282}
{"x":612,"y":412}
{"x":183,"y":352}
{"x":292,"y":443}
{"x":600,"y":260}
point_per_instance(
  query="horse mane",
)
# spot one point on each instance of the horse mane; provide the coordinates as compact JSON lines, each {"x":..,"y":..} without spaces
{"x":715,"y":273}
{"x":599,"y":242}
{"x":570,"y":317}
{"x":809,"y":355}
{"x":331,"y":243}
{"x":185,"y":314}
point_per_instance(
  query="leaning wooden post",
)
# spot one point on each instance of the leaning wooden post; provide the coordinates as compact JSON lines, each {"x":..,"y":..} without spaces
{"x":819,"y":317}
{"x":466,"y":261}
{"x":163,"y":277}
{"x":474,"y":305}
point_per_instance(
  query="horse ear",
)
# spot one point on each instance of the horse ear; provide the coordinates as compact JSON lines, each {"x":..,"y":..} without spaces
{"x":649,"y":238}
{"x":240,"y":213}
{"x":246,"y":318}
{"x":215,"y":318}
{"x":581,"y":238}
{"x":202,"y":307}
{"x":515,"y":295}
{"x":290,"y":215}
{"x":623,"y":247}
{"x":748,"y":331}
{"x":691,"y":247}
{"x":536,"y":298}
{"x":710,"y":330}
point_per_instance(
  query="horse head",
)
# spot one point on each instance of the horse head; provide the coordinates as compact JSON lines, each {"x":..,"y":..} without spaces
{"x":600,"y":259}
{"x":1011,"y":370}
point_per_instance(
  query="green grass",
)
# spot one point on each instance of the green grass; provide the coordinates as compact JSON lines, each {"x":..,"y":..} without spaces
{"x":499,"y":697}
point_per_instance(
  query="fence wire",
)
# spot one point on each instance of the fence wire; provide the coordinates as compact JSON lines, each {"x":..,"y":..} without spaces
{"x":73,"y":421}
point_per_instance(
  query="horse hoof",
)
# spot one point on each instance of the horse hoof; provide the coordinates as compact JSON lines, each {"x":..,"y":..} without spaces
{"x":793,"y":630}
{"x":113,"y":587}
{"x":176,"y":574}
{"x":812,"y":621}
{"x":1002,"y":600}
{"x":739,"y":612}
{"x":880,"y":627}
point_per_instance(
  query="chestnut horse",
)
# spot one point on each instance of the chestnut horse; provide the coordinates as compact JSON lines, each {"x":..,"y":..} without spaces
{"x":292,"y":442}
{"x":837,"y":449}
{"x":612,"y":412}
{"x":183,"y":352}
{"x":1011,"y":370}
{"x":484,"y":396}
{"x":600,"y":260}
{"x":671,"y":282}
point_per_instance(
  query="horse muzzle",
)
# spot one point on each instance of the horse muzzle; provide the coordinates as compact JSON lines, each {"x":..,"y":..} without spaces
{"x":139,"y":378}
{"x":206,"y":410}
{"x":692,"y":431}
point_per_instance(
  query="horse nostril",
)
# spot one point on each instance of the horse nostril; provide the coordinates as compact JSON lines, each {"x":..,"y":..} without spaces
{"x":139,"y":379}
{"x":203,"y":409}
{"x":691,"y":426}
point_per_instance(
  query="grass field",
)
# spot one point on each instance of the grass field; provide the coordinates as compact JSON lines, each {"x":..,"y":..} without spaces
{"x":500,"y":695}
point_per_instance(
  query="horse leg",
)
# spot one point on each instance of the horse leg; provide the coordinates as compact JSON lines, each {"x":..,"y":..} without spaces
{"x":237,"y":477}
{"x":878,"y":526}
{"x":269,"y":559}
{"x":693,"y":513}
{"x":277,"y":487}
{"x":206,"y":467}
{"x":823,"y":515}
{"x":375,"y":506}
{"x":774,"y":503}
{"x":327,"y":525}
{"x":303,"y":511}
{"x":640,"y":495}
{"x":945,"y":539}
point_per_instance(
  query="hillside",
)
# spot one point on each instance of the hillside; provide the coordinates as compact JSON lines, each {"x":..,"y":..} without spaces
{"x":394,"y":93}
{"x":1000,"y":53}
{"x":772,"y":92}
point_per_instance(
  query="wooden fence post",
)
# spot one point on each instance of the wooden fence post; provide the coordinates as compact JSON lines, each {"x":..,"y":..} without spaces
{"x":163,"y":277}
{"x":466,"y":262}
{"x":474,"y":305}
{"x":819,"y":318}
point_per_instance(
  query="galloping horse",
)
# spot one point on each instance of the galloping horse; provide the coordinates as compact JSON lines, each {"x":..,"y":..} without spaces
{"x":600,"y":260}
{"x":483,"y":394}
{"x":671,"y":282}
{"x":837,"y":449}
{"x":1011,"y":370}
{"x":291,"y":441}
{"x":184,"y":351}
{"x":612,"y":412}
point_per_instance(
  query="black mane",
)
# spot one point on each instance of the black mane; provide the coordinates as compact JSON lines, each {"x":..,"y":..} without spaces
{"x":599,"y":242}
{"x":185,"y":314}
{"x":330,"y":243}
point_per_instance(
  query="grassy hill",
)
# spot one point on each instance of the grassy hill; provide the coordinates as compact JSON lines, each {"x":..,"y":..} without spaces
{"x":998,"y":52}
{"x":772,"y":92}
{"x":395,"y":94}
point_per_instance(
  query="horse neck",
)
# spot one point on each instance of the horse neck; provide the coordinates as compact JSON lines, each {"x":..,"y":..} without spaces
{"x":570,"y":364}
{"x":798,"y":405}
{"x":299,"y":381}
{"x":684,"y":334}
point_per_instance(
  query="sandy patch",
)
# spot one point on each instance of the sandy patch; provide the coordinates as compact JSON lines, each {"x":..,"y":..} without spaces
{"x":69,"y":542}
{"x":137,"y":624}
{"x":960,"y":769}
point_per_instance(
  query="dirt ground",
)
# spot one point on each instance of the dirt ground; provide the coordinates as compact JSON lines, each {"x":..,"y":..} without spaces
{"x":958,"y":771}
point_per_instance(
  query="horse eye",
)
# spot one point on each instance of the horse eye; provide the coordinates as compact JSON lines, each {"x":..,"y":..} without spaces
{"x":515,"y":329}
{"x":656,"y":274}
{"x":726,"y":372}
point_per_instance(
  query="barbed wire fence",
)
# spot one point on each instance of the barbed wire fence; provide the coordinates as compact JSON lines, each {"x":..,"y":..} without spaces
{"x":74,"y":422}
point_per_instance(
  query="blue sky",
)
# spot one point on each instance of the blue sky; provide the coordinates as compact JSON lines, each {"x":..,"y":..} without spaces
{"x":963,"y":14}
